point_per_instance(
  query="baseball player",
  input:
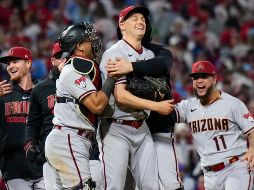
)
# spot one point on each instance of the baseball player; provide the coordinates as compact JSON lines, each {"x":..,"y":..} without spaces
{"x":41,"y":113}
{"x":125,"y":137}
{"x":160,"y":126}
{"x":220,"y":125}
{"x":77,"y":103}
{"x":18,"y":172}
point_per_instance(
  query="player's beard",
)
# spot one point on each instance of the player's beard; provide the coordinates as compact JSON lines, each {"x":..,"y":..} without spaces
{"x":204,"y":97}
{"x":15,"y":79}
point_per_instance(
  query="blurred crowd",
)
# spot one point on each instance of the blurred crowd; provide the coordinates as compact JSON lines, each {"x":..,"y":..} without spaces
{"x":221,"y":31}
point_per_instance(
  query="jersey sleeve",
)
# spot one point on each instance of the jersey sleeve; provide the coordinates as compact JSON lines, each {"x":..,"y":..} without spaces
{"x":79,"y":86}
{"x":112,"y":54}
{"x":160,"y":65}
{"x":2,"y":128}
{"x":181,"y":111}
{"x":243,"y":117}
{"x":34,"y":121}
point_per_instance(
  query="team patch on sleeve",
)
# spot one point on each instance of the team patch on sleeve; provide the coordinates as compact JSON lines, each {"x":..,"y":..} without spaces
{"x":81,"y":82}
{"x":249,"y":116}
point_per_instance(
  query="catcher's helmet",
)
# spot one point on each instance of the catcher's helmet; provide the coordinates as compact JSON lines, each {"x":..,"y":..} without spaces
{"x":77,"y":33}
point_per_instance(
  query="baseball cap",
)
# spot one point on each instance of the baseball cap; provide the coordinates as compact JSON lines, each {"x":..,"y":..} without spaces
{"x":56,"y":49}
{"x":17,"y":53}
{"x":203,"y":67}
{"x":126,"y":13}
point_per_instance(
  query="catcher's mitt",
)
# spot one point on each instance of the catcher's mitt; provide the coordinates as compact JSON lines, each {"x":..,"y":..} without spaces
{"x":150,"y":88}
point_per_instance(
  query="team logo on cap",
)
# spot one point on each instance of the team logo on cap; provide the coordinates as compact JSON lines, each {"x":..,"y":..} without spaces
{"x":249,"y":116}
{"x":81,"y":81}
{"x":10,"y":52}
{"x":200,"y":67}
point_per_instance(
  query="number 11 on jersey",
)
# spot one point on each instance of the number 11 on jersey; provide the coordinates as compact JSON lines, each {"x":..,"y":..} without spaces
{"x":218,"y":141}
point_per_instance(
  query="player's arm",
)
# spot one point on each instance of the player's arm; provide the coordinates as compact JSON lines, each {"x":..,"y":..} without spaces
{"x":2,"y":128}
{"x":5,"y":87}
{"x":97,"y":101}
{"x":245,"y":121}
{"x":34,"y":120}
{"x":249,"y":155}
{"x":160,"y":65}
{"x":127,"y":99}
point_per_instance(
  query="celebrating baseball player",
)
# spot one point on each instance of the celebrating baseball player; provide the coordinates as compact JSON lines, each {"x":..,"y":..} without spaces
{"x":161,"y":126}
{"x":220,"y":125}
{"x":41,"y":113}
{"x":18,"y":172}
{"x":125,"y":137}
{"x":77,"y":101}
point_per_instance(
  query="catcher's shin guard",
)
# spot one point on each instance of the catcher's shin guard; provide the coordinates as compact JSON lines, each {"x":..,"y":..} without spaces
{"x":89,"y":184}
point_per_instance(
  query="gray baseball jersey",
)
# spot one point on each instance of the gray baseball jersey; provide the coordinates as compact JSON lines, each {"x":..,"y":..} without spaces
{"x":218,"y":129}
{"x":123,"y":143}
{"x":73,"y":85}
{"x":124,"y":50}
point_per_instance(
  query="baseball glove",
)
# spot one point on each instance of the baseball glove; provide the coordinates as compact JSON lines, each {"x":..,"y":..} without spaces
{"x":151,"y":88}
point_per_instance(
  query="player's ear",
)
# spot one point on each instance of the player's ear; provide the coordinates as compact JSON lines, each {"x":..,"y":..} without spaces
{"x":214,"y":80}
{"x":122,"y":26}
{"x":29,"y":64}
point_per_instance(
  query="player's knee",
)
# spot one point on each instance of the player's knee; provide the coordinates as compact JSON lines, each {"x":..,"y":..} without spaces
{"x":89,"y":184}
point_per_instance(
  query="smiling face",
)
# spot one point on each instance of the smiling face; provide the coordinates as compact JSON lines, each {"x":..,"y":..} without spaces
{"x":18,"y":69}
{"x":203,"y":85}
{"x":134,"y":26}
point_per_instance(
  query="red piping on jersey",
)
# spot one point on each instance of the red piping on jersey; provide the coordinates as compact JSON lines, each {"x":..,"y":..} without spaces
{"x":139,"y":51}
{"x":249,"y":130}
{"x":177,"y":116}
{"x":86,"y":94}
{"x":250,"y":180}
{"x":104,"y":167}
{"x":176,"y":162}
{"x":74,"y":160}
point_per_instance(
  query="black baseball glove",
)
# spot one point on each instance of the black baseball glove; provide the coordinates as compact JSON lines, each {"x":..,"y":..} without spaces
{"x":150,"y":88}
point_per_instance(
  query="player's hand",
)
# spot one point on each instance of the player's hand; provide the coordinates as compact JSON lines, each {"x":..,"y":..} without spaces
{"x":5,"y":87}
{"x":118,"y":67}
{"x":164,"y":107}
{"x":249,"y":156}
{"x":32,"y":151}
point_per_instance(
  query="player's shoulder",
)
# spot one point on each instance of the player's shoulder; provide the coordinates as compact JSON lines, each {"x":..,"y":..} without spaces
{"x":230,"y":100}
{"x":190,"y":101}
{"x":119,"y":46}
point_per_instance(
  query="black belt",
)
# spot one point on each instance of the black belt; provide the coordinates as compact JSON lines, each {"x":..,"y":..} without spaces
{"x":66,"y":100}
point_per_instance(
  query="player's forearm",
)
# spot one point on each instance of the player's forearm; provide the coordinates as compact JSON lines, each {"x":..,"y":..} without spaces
{"x":127,"y":99}
{"x":251,"y":140}
{"x":160,"y":65}
{"x":96,"y":102}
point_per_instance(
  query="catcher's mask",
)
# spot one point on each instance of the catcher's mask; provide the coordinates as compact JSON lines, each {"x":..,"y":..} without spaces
{"x":77,"y":33}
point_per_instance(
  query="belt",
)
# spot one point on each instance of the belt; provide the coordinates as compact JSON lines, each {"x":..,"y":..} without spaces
{"x":81,"y":132}
{"x":222,"y":165}
{"x":135,"y":124}
{"x":66,"y":100}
